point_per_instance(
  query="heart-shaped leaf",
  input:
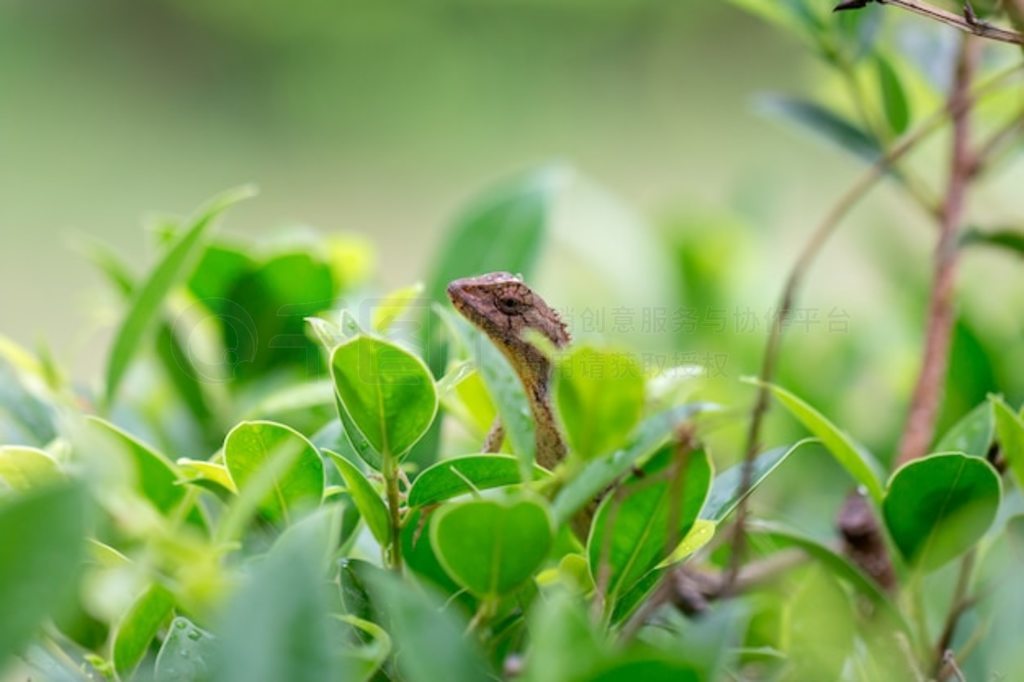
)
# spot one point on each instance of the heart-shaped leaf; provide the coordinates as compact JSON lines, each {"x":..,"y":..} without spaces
{"x":490,"y":547}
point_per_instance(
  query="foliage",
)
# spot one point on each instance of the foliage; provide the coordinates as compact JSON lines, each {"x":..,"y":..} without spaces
{"x":275,"y":482}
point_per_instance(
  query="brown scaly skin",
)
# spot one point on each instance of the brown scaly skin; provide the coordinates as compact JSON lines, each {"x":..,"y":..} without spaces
{"x":501,"y":306}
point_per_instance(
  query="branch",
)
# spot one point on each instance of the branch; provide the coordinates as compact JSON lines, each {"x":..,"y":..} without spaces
{"x":814,"y":244}
{"x":924,"y":405}
{"x":968,"y":23}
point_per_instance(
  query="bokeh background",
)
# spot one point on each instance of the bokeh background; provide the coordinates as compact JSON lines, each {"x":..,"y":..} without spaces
{"x":384,"y":119}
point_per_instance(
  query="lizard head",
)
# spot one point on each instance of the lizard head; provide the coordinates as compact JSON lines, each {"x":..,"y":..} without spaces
{"x":503,"y":307}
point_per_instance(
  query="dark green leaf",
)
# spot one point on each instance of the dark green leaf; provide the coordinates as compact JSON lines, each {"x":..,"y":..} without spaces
{"x":894,"y":99}
{"x":460,"y":475}
{"x":631,"y":531}
{"x":823,"y":123}
{"x":937,"y":507}
{"x":491,"y":547}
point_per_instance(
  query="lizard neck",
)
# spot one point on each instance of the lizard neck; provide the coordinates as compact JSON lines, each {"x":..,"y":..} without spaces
{"x":503,"y":308}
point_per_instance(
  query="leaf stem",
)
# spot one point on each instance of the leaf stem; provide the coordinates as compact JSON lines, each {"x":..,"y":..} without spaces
{"x":391,"y":477}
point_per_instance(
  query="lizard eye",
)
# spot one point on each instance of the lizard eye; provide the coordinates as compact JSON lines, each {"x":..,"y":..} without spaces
{"x":510,"y":305}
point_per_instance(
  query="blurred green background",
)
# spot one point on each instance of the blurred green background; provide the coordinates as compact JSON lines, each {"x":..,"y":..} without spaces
{"x":385,"y":118}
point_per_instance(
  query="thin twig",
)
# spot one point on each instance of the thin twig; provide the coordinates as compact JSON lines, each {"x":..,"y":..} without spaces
{"x":812,"y":247}
{"x":960,"y":603}
{"x":997,"y":142}
{"x":967,"y":22}
{"x":924,"y":405}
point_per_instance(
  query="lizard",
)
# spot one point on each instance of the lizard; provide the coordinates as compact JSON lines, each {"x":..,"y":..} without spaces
{"x":503,"y":307}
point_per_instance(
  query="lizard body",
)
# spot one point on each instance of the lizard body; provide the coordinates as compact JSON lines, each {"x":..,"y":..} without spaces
{"x":501,"y":306}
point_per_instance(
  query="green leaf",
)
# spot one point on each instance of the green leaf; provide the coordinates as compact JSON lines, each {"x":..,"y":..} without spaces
{"x":560,"y":625}
{"x":206,"y":473}
{"x":367,"y":658}
{"x":600,"y":395}
{"x":186,"y":653}
{"x":699,"y":535}
{"x":939,"y":506}
{"x":822,"y":123}
{"x":603,"y":471}
{"x":631,"y":531}
{"x":857,"y":461}
{"x":972,"y":435}
{"x":727,"y":487}
{"x":366,"y":498}
{"x":1009,"y":239}
{"x":393,"y":305}
{"x":818,"y":627}
{"x":388,"y":392}
{"x":148,"y":298}
{"x":42,"y":546}
{"x":297,"y":485}
{"x":504,"y":387}
{"x":491,"y":547}
{"x":837,"y":564}
{"x":157,"y":476}
{"x":150,"y":612}
{"x":460,"y":475}
{"x":894,"y":99}
{"x":264,"y":317}
{"x":276,"y":626}
{"x":429,"y":636}
{"x":22,"y":467}
{"x":351,"y":440}
{"x":1010,"y":434}
{"x":418,"y":553}
{"x":649,"y":668}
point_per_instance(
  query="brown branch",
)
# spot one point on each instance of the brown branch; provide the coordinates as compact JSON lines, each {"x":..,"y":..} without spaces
{"x":924,"y":405}
{"x":967,"y":23}
{"x":807,"y":256}
{"x":692,"y":590}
